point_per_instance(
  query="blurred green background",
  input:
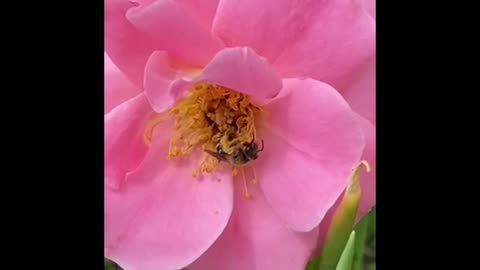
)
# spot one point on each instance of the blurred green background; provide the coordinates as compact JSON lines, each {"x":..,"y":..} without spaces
{"x":365,"y":258}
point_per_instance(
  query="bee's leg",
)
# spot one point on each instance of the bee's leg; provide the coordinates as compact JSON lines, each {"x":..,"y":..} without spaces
{"x":216,"y":155}
{"x":262,"y":147}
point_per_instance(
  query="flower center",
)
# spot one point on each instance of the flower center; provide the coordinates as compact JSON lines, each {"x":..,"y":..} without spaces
{"x":219,"y":121}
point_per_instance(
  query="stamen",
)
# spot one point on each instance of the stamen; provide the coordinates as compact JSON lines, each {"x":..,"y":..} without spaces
{"x":254,"y":180}
{"x":247,"y":194}
{"x":147,"y":135}
{"x":208,"y":164}
{"x":216,"y":120}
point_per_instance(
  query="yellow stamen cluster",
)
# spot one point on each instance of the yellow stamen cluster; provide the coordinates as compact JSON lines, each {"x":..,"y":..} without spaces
{"x":208,"y":115}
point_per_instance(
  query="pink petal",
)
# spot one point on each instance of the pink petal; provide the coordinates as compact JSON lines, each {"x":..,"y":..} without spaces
{"x":371,"y":7}
{"x":361,"y":91}
{"x":243,"y":70}
{"x":340,"y":36}
{"x":256,"y":238}
{"x":124,"y":147}
{"x":236,"y":68}
{"x":173,"y":30}
{"x":117,"y":87}
{"x":162,"y":218}
{"x":312,"y":142}
{"x":163,"y":83}
{"x":269,"y":27}
{"x":126,"y":45}
{"x":320,"y":39}
{"x":202,"y":11}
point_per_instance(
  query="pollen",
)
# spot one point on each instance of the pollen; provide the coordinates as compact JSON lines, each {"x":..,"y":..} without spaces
{"x":209,"y":117}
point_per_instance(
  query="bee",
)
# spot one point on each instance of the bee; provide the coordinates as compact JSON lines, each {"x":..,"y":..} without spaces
{"x":240,"y":156}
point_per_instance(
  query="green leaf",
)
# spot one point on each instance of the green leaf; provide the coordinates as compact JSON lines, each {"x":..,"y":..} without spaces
{"x":342,"y":223}
{"x":110,"y":265}
{"x":312,"y":265}
{"x":361,"y":231}
{"x":373,"y":223}
{"x":346,"y":260}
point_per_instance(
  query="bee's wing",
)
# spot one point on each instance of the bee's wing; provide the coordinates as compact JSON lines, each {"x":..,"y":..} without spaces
{"x":216,"y":155}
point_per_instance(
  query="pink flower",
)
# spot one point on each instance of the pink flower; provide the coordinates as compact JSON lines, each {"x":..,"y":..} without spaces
{"x":184,"y":77}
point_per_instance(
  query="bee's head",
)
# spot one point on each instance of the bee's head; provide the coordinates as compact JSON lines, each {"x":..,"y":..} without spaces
{"x":251,"y":150}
